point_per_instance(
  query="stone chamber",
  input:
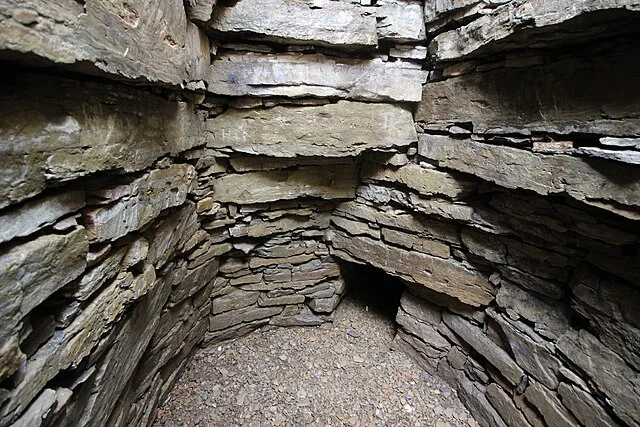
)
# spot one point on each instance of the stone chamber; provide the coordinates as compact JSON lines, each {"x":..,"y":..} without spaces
{"x":174,"y":174}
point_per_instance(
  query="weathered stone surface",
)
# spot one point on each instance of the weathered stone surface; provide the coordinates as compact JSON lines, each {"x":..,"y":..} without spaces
{"x":133,"y":337}
{"x":328,"y":130}
{"x":421,"y":309}
{"x":511,"y":18}
{"x":633,"y":143}
{"x":62,"y":129}
{"x":472,"y":396}
{"x":550,"y":407}
{"x":38,"y":410}
{"x":483,"y":345}
{"x":631,"y":157}
{"x":541,"y":98}
{"x":36,"y":214}
{"x":399,"y":219}
{"x":417,"y":243}
{"x":305,"y":318}
{"x":297,"y":75}
{"x":531,"y":352}
{"x":608,"y":371}
{"x":355,"y":228}
{"x":199,"y":10}
{"x":584,"y":407}
{"x":326,"y":182}
{"x":505,"y":406}
{"x":233,"y":301}
{"x":324,"y":305}
{"x":550,"y":320}
{"x":516,"y":168}
{"x":435,"y":8}
{"x":244,"y":315}
{"x":487,"y":246}
{"x":138,"y":40}
{"x":426,"y":181}
{"x":260,"y":228}
{"x":444,"y":276}
{"x":169,"y":233}
{"x":610,"y":305}
{"x":426,"y":332}
{"x":141,"y":202}
{"x":252,"y":163}
{"x":76,"y":341}
{"x":319,"y":22}
{"x":42,"y":266}
{"x":400,"y":20}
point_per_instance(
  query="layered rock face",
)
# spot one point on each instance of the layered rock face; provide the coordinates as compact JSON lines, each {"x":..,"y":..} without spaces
{"x":178,"y":174}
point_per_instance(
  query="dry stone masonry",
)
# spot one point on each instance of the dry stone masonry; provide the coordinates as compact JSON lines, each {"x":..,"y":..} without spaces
{"x":175,"y":174}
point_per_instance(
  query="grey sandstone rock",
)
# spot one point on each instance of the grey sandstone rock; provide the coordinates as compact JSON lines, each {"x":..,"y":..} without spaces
{"x":444,"y":276}
{"x":33,"y":271}
{"x":505,"y":406}
{"x":627,"y":156}
{"x":297,"y":75}
{"x":544,"y":174}
{"x":233,"y":301}
{"x":36,"y":214}
{"x":550,"y":320}
{"x":421,"y":309}
{"x":473,"y":396}
{"x":531,"y":352}
{"x":315,"y":22}
{"x":426,"y":332}
{"x":510,"y":18}
{"x":400,"y":20}
{"x":424,"y":180}
{"x":610,"y":373}
{"x":540,"y":98}
{"x":141,"y":202}
{"x":243,"y":315}
{"x":200,"y":10}
{"x":328,"y":130}
{"x":328,"y":182}
{"x":584,"y":407}
{"x":138,"y":40}
{"x":324,"y":305}
{"x":62,"y":129}
{"x":77,"y":340}
{"x":483,"y":345}
{"x":552,"y":410}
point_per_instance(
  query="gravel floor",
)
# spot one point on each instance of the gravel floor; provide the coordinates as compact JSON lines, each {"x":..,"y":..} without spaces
{"x":333,"y":375}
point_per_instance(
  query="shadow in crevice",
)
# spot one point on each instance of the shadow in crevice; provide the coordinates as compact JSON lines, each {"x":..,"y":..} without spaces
{"x":372,"y":289}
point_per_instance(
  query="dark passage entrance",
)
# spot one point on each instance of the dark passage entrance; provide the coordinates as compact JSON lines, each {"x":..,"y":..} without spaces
{"x":372,"y":289}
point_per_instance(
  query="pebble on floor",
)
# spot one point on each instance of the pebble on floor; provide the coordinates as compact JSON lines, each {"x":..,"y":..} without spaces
{"x":340,"y":374}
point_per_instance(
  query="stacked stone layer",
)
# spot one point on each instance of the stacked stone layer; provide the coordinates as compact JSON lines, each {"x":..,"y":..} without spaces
{"x":175,"y":175}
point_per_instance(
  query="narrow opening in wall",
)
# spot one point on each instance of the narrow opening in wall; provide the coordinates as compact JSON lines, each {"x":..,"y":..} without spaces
{"x":371,"y":288}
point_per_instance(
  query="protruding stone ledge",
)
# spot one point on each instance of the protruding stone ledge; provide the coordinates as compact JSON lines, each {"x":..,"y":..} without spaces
{"x":297,"y":75}
{"x":326,"y":182}
{"x":320,"y":22}
{"x":562,"y":97}
{"x":60,"y":129}
{"x":333,"y":130}
{"x":518,"y":17}
{"x":149,"y":40}
{"x":545,"y":174}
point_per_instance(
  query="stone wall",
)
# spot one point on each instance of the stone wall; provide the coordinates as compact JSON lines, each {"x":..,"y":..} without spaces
{"x":175,"y":175}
